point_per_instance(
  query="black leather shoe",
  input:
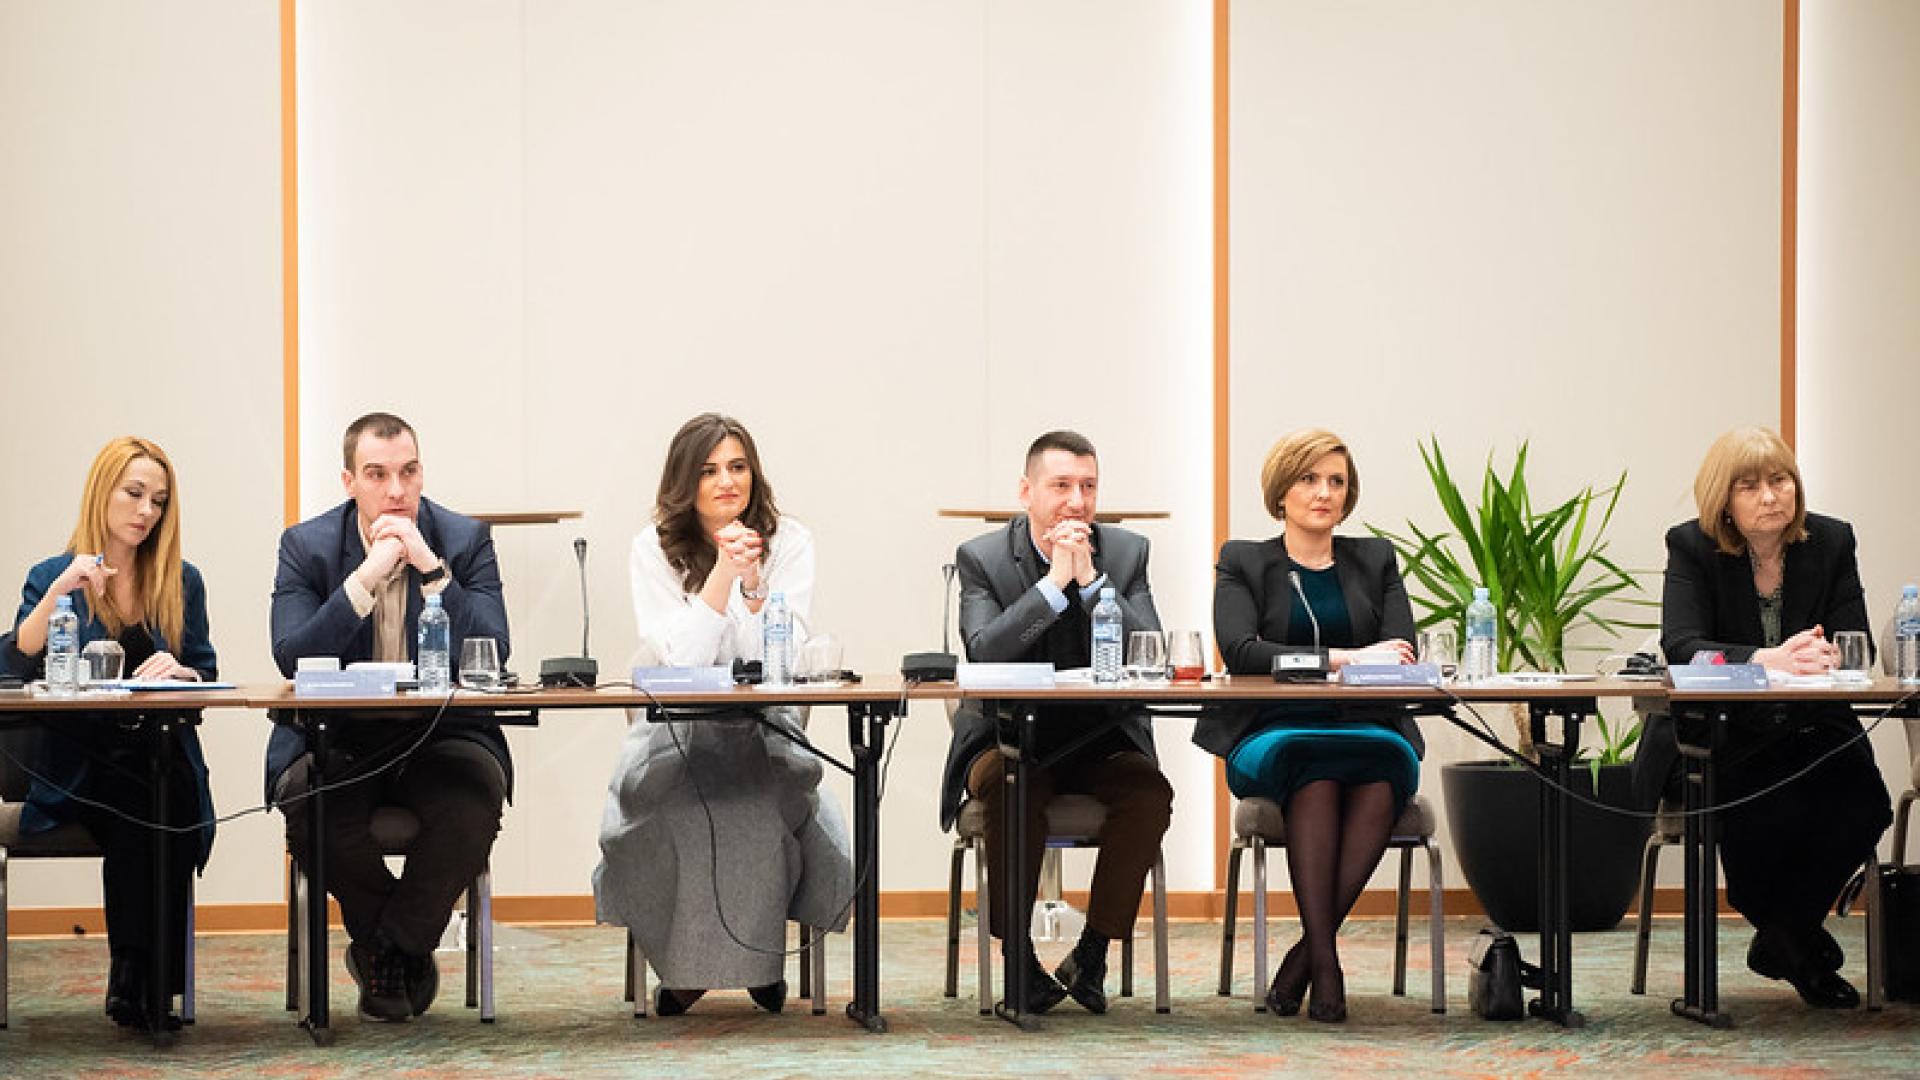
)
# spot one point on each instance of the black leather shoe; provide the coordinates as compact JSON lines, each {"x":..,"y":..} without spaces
{"x":381,"y":975}
{"x":669,"y":1002}
{"x":1043,"y":990}
{"x":1826,"y":990}
{"x":423,"y":982}
{"x":771,"y":997}
{"x":1084,"y":974}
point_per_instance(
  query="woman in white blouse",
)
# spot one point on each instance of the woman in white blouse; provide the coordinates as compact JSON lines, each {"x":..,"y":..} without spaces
{"x":701,"y":579}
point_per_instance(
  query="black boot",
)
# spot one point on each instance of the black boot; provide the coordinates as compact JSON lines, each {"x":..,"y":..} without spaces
{"x":1043,"y":991}
{"x":1084,"y":972}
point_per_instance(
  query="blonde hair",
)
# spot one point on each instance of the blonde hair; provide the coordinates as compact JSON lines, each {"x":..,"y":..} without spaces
{"x":156,"y":563}
{"x":1741,"y":454}
{"x":1292,"y":456}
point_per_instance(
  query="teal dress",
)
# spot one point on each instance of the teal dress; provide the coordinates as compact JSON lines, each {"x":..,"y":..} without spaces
{"x":1298,"y":744}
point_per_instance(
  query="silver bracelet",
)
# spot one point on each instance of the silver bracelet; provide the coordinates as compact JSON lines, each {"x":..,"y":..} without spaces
{"x":754,"y":594}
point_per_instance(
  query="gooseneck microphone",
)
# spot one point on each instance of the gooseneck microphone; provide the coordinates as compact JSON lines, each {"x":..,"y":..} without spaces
{"x":935,"y":666}
{"x":582,"y":670}
{"x":1294,"y":576}
{"x":1302,"y":666}
{"x":946,"y":608}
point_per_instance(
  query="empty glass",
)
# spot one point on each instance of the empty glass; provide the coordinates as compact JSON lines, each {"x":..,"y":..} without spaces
{"x":1186,"y":655}
{"x":1855,"y":656}
{"x":101,"y":661}
{"x":1437,"y":647}
{"x":480,"y":664}
{"x":820,"y":660}
{"x":1147,"y":656}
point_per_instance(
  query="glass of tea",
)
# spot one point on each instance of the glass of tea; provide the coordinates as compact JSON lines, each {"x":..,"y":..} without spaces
{"x":1186,"y":654}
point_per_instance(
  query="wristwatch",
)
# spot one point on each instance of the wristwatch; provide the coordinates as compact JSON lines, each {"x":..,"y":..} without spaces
{"x":754,"y":594}
{"x":434,"y":575}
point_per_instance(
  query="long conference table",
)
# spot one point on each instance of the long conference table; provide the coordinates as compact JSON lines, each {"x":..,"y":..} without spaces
{"x":875,"y":704}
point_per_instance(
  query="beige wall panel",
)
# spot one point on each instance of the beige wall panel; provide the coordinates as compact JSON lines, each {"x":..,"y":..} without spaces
{"x":140,"y":294}
{"x":1859,"y":264}
{"x":1497,"y":221}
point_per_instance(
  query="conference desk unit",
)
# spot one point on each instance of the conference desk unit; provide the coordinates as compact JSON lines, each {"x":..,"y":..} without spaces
{"x":158,"y":715}
{"x":1571,"y":701}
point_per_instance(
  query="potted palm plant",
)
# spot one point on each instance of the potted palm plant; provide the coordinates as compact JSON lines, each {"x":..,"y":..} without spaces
{"x":1550,"y":578}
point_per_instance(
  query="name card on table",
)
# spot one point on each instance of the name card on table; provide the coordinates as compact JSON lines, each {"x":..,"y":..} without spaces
{"x":1005,"y":676}
{"x":1390,"y":675}
{"x":1744,"y":677}
{"x":668,"y":680}
{"x":352,"y":683}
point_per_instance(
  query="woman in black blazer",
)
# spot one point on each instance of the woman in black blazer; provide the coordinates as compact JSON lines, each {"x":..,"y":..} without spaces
{"x":1756,"y":579}
{"x":1341,"y":776}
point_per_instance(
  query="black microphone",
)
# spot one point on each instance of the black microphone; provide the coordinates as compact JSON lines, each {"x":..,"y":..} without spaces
{"x":579,"y":671}
{"x":1302,"y":666}
{"x":942,"y":665}
{"x":1294,"y":576}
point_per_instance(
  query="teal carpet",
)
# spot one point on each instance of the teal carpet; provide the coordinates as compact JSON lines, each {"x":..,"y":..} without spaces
{"x":561,"y":1015}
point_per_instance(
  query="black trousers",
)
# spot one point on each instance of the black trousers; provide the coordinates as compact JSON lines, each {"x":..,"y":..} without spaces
{"x":1787,"y":854}
{"x":454,"y":786}
{"x":119,"y":776}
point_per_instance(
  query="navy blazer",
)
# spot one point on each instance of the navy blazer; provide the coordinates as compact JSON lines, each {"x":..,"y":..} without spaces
{"x":48,"y":806}
{"x":1003,"y":618}
{"x":313,"y":617}
{"x":1253,"y":605}
{"x":1708,"y":603}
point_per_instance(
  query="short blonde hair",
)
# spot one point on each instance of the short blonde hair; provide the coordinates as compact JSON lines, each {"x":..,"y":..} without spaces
{"x":1742,"y":454}
{"x":1290,"y":459}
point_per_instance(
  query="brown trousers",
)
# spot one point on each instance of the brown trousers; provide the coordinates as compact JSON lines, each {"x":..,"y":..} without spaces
{"x":1139,"y":804}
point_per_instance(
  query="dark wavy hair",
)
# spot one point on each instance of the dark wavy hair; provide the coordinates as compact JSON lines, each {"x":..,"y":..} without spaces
{"x":683,"y":540}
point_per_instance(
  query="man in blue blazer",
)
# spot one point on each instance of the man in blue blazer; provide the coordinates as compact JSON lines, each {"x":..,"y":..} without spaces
{"x":350,"y":584}
{"x":1027,"y":593}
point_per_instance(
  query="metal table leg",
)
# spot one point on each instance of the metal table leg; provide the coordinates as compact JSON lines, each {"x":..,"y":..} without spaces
{"x":867,"y":733}
{"x":318,"y":1021}
{"x":1013,"y":870}
{"x":1701,"y":1002}
{"x":1556,"y":939}
{"x":159,"y":727}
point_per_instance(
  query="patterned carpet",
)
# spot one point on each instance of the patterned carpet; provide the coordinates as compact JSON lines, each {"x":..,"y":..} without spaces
{"x":561,"y":1016}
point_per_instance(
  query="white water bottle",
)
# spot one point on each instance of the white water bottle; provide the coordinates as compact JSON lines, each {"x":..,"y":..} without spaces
{"x":436,"y":638}
{"x":63,"y":649}
{"x":776,"y":659}
{"x":1906,"y":637}
{"x":1477,"y":660}
{"x":1108,"y":629}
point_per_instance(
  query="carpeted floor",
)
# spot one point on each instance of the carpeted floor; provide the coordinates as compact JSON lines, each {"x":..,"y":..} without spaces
{"x":561,"y":1016}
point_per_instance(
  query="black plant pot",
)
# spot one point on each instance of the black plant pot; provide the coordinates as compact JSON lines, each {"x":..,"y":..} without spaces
{"x":1493,"y":814}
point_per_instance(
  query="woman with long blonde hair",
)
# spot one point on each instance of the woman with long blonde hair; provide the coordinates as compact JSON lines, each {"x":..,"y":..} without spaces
{"x":129,"y":585}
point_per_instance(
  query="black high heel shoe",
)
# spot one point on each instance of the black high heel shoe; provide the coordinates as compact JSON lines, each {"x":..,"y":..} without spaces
{"x":1285,"y":995}
{"x":1329,"y":1004}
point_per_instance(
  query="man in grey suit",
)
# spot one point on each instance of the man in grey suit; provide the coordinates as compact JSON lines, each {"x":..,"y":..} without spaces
{"x":1027,"y":593}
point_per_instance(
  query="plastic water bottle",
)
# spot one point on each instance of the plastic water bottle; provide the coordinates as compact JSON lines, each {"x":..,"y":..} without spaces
{"x":1107,"y":633}
{"x":776,"y":659}
{"x":63,"y":649}
{"x":1478,"y":658}
{"x":436,"y":637}
{"x":1906,"y":637}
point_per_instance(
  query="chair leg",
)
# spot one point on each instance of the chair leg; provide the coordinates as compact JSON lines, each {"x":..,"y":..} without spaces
{"x":626,"y":980}
{"x":637,"y":965}
{"x":473,"y":942}
{"x":1400,"y":923}
{"x":293,"y":942}
{"x":956,"y":865}
{"x":1227,"y":924}
{"x":303,"y":948}
{"x":1437,"y":925}
{"x":1259,"y":924}
{"x":801,"y":955}
{"x":1162,"y":1001}
{"x":1643,"y":922}
{"x":818,"y":947}
{"x":3,"y":939}
{"x":1876,"y":939}
{"x":1126,"y":966}
{"x":1900,"y":825}
{"x":984,"y":976}
{"x":482,"y":932}
{"x":187,"y":960}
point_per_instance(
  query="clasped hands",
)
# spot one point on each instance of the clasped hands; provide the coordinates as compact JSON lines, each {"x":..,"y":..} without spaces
{"x":740,"y":550}
{"x":1401,"y":650}
{"x":1071,"y":554}
{"x":1805,"y":653}
{"x":392,"y":540}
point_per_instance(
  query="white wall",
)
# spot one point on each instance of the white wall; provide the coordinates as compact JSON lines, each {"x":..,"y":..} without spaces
{"x":140,"y":294}
{"x":1496,"y":221}
{"x":1859,"y":267}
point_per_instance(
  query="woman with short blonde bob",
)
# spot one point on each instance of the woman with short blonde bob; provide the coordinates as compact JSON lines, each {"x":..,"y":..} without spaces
{"x":1756,"y":579}
{"x":129,"y":585}
{"x":1341,"y":776}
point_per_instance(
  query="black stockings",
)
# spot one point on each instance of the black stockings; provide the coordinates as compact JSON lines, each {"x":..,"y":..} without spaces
{"x":1335,"y":837}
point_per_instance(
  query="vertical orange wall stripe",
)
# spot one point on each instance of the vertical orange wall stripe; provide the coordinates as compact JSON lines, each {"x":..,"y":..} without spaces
{"x":1221,"y":397}
{"x":1789,"y":215}
{"x":289,"y":273}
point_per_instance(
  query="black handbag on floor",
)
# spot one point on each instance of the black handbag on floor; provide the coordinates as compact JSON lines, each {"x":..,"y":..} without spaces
{"x":1899,"y":926}
{"x":1494,"y":977}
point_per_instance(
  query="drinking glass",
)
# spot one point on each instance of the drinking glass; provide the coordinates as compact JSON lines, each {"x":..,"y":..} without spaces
{"x":101,"y":661}
{"x":1436,"y":646}
{"x":820,"y":659}
{"x":1855,"y":660}
{"x":1147,"y":656}
{"x":480,"y":664}
{"x":1185,"y":655}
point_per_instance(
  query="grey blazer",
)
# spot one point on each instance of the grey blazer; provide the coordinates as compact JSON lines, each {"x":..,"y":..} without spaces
{"x":1253,"y":603}
{"x":1003,"y":618}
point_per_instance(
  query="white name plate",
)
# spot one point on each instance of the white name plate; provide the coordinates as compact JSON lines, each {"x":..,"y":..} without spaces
{"x":666,"y":680}
{"x":354,"y":682}
{"x":1390,"y":675}
{"x":1749,"y":677}
{"x":1005,"y":676}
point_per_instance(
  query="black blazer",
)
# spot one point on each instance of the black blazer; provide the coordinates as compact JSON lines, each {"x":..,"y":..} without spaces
{"x":1253,"y":601}
{"x":1003,"y":618}
{"x":1708,"y":603}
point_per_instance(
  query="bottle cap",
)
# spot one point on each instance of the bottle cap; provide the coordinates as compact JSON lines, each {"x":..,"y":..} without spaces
{"x":1908,"y":591}
{"x":777,"y":597}
{"x":65,"y":602}
{"x":1106,"y":593}
{"x":1480,"y":593}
